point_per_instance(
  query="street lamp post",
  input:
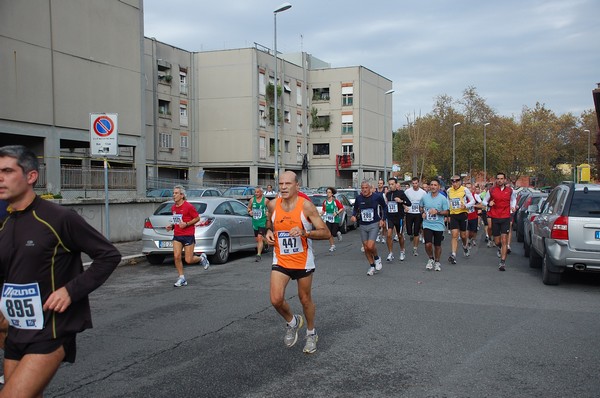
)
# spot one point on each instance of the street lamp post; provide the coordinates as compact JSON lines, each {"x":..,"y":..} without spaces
{"x":454,"y":148}
{"x":485,"y":153}
{"x":589,"y":144}
{"x":385,"y":175}
{"x":281,"y":8}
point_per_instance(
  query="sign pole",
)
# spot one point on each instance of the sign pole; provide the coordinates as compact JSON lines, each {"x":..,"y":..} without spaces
{"x":106,"y":214}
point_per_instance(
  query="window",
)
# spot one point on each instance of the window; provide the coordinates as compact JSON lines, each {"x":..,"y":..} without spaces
{"x":347,"y":149}
{"x":321,"y":94}
{"x":299,"y":94}
{"x":286,"y":146}
{"x":183,"y":115}
{"x":164,"y":108}
{"x":165,"y":140}
{"x":164,"y":72}
{"x":262,"y":115}
{"x":320,"y":149}
{"x":347,"y":95}
{"x":183,"y":86}
{"x":286,"y":116}
{"x":299,"y":122}
{"x":184,"y":140}
{"x":262,"y":147}
{"x":347,"y":123}
{"x":262,"y":87}
{"x":271,"y":147}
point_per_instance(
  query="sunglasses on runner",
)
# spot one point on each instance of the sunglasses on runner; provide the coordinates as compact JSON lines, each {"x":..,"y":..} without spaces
{"x":455,"y":180}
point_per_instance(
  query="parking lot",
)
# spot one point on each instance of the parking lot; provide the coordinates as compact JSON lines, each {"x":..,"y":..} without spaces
{"x":467,"y":331}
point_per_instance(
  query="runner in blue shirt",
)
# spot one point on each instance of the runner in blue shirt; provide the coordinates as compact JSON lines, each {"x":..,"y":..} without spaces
{"x":434,"y":207}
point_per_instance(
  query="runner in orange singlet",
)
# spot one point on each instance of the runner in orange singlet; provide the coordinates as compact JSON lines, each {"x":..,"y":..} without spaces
{"x":292,"y":224}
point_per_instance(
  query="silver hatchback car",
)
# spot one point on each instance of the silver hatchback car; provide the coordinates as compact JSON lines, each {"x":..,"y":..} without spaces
{"x":566,"y":234}
{"x":224,"y":227}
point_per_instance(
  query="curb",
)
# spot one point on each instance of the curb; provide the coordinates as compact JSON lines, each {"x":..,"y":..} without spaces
{"x":125,"y":260}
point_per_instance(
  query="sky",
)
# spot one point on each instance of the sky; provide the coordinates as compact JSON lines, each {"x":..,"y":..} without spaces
{"x":514,"y":52}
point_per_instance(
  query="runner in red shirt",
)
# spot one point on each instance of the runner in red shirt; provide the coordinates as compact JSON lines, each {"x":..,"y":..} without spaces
{"x":502,"y":201}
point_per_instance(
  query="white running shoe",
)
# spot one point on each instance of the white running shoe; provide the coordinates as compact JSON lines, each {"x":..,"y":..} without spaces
{"x":332,"y":248}
{"x":415,"y":253}
{"x":339,"y":236}
{"x":402,"y":256}
{"x":396,"y":238}
{"x":438,"y":266}
{"x":421,"y":239}
{"x":378,"y":265}
{"x":204,"y":261}
{"x":362,"y":249}
{"x":371,"y":271}
{"x":429,"y":265}
{"x":390,"y":257}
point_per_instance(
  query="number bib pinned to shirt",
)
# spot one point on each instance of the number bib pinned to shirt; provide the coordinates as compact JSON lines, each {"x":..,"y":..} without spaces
{"x":367,"y":215}
{"x":177,"y":218}
{"x":430,"y":217}
{"x":455,"y":203}
{"x":289,"y":244}
{"x":21,"y":305}
{"x":414,"y":208}
{"x":257,"y":214}
{"x":392,"y":206}
{"x":329,"y":217}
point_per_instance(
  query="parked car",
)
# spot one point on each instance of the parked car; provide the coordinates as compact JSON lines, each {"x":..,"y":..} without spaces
{"x":243,"y":193}
{"x":350,"y":193}
{"x":522,"y":213}
{"x":345,"y":215}
{"x":224,"y":227}
{"x":202,"y":192}
{"x":160,"y":193}
{"x":566,"y":234}
{"x":532,"y":212}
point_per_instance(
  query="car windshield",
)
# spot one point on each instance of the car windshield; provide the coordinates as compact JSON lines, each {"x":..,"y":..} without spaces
{"x":165,"y":208}
{"x":585,"y":204}
{"x":158,"y":193}
{"x":235,"y":191}
{"x":194,"y":192}
{"x":349,"y":194}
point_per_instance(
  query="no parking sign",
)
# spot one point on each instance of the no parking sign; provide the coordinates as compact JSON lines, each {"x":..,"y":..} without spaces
{"x":104,"y":134}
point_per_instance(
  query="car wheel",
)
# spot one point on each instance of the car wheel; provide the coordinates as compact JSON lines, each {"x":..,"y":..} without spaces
{"x":549,"y":277}
{"x":222,"y":251}
{"x":520,"y":236}
{"x":535,"y":260}
{"x":155,"y":259}
{"x":526,"y":248}
{"x":344,"y":226}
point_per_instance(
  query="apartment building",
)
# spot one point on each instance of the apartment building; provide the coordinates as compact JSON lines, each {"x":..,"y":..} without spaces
{"x":62,"y":61}
{"x":203,"y":118}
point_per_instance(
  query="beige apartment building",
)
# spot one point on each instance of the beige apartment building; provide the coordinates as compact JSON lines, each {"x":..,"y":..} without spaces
{"x":200,"y":118}
{"x":62,"y":61}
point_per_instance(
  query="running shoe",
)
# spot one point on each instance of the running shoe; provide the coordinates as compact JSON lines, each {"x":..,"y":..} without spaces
{"x":180,"y":282}
{"x":258,"y":258}
{"x":204,"y":261}
{"x":415,"y":253}
{"x":490,"y":243}
{"x":438,"y":266}
{"x":396,"y":238}
{"x":378,"y":264}
{"x":311,"y":343}
{"x":508,"y":249}
{"x":467,"y":251}
{"x":371,"y":271}
{"x":390,"y":257}
{"x":291,"y":333}
{"x":429,"y":265}
{"x":332,"y":248}
{"x":362,"y":249}
{"x":502,"y":266}
{"x":421,"y":239}
{"x":402,"y":256}
{"x":499,"y":253}
{"x":452,"y":260}
{"x":473,"y":242}
{"x":339,"y":236}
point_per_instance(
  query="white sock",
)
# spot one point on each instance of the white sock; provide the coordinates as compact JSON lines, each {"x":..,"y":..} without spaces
{"x":309,"y":332}
{"x":293,"y":322}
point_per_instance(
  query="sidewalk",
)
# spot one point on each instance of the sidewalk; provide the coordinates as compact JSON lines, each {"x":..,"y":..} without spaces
{"x":130,"y":252}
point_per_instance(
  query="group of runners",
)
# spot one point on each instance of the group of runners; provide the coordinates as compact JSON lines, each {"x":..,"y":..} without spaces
{"x":426,"y":212}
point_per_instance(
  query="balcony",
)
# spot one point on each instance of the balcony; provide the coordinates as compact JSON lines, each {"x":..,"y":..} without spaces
{"x":345,"y":160}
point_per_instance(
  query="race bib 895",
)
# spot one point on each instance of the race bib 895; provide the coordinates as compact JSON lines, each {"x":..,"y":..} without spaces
{"x":21,"y":305}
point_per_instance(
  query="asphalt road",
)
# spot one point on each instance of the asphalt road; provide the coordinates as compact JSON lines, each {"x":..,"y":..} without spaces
{"x":467,"y":331}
